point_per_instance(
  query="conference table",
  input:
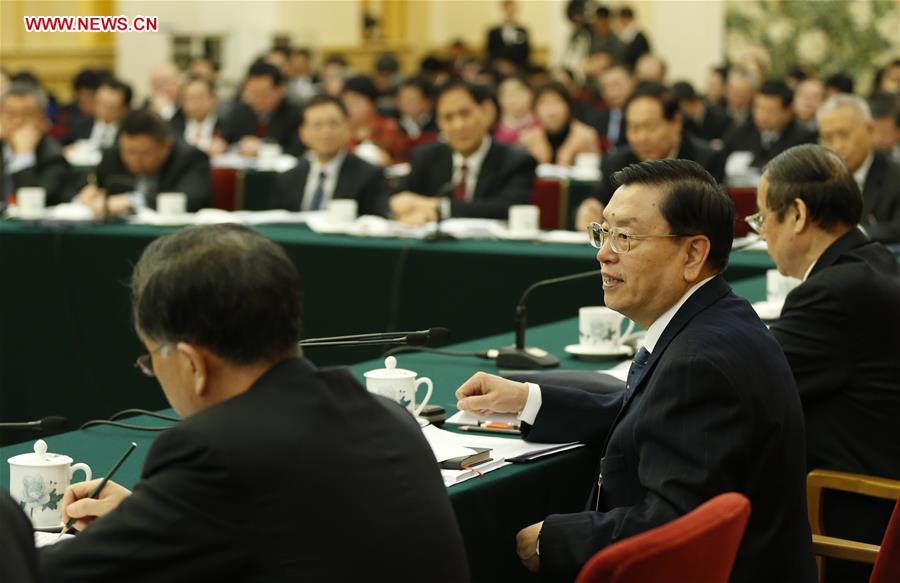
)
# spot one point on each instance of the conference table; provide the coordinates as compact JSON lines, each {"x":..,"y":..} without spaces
{"x":66,"y":338}
{"x":490,"y":509}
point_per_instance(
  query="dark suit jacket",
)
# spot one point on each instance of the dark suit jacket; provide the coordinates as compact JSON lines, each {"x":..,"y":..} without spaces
{"x":691,"y":148}
{"x":18,"y":560}
{"x":711,"y":127}
{"x":600,"y":121}
{"x":881,"y":200}
{"x":357,"y":179}
{"x":305,"y":477}
{"x":746,"y":138}
{"x":241,"y":121}
{"x":185,"y":170}
{"x":715,"y":410}
{"x":517,"y":52}
{"x":506,"y":178}
{"x":78,"y":128}
{"x":50,"y":171}
{"x":840,"y":330}
{"x":635,"y":49}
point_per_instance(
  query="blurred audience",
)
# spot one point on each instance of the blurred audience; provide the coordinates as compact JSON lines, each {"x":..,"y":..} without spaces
{"x":368,"y":127}
{"x":516,"y":99}
{"x":559,"y":138}
{"x":809,"y":94}
{"x":198,"y":123}
{"x":415,"y":106}
{"x":508,"y":46}
{"x":111,"y":104}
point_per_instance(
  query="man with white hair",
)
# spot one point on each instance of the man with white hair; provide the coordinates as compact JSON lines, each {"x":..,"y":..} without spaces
{"x":165,"y":90}
{"x":845,"y":126}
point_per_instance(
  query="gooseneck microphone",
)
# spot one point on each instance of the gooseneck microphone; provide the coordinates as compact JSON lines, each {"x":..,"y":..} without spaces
{"x":438,"y":234}
{"x":519,"y":356}
{"x":428,"y":337}
{"x":51,"y":424}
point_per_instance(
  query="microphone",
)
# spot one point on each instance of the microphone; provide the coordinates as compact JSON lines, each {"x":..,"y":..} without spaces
{"x":439,"y":235}
{"x":51,"y":424}
{"x":428,"y":337}
{"x":521,"y":357}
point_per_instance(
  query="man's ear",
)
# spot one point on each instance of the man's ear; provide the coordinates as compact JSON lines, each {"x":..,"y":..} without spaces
{"x":800,"y":214}
{"x":695,"y":258}
{"x":198,"y":361}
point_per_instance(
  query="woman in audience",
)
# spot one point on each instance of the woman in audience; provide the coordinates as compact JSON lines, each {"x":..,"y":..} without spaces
{"x":367,"y":127}
{"x":560,"y":137}
{"x":515,"y":110}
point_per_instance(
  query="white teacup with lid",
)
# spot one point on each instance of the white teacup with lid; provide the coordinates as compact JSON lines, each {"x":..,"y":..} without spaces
{"x":398,"y":384}
{"x":37,"y":481}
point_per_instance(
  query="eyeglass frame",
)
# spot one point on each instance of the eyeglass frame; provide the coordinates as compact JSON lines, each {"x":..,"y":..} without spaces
{"x":595,"y":227}
{"x":756,"y":221}
{"x":144,"y":362}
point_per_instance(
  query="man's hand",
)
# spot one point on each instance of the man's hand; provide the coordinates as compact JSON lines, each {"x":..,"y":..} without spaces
{"x":93,"y":198}
{"x":526,"y":546}
{"x":484,"y":393}
{"x":118,"y":205}
{"x":77,"y":504}
{"x":217,"y":146}
{"x":249,"y":146}
{"x":25,"y":140}
{"x":414,"y":209}
{"x":589,"y":211}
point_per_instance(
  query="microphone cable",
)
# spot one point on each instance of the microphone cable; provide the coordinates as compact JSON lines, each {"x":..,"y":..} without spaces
{"x":489,"y":354}
{"x":112,"y":420}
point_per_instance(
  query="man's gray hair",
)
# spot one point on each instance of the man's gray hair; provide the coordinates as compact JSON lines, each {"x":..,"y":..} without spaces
{"x":22,"y":89}
{"x":846,"y":100}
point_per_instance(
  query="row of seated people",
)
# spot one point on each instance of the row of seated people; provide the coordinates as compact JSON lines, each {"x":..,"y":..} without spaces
{"x":466,"y":118}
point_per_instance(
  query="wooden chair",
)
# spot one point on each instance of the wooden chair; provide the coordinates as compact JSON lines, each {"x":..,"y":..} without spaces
{"x":547,"y":195}
{"x":744,"y":205}
{"x":886,"y":557}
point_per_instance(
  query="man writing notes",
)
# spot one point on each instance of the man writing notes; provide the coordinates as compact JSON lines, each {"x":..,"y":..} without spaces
{"x":840,"y":329}
{"x":710,"y":405}
{"x":468,"y":176}
{"x":279,"y":471}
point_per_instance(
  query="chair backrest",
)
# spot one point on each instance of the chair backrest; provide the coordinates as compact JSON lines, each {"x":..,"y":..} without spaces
{"x":699,"y":547}
{"x":887,"y":567}
{"x":547,"y":195}
{"x":744,"y":205}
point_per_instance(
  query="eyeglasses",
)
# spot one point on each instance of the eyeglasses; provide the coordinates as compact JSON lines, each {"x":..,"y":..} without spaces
{"x":756,"y":221}
{"x":144,"y":363}
{"x":620,"y":241}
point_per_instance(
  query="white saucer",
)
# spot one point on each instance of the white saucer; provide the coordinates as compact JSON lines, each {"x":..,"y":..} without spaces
{"x":591,"y":353}
{"x":768,"y":310}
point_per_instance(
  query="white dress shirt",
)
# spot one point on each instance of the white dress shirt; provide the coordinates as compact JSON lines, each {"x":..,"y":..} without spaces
{"x":200,"y":133}
{"x":473,"y":168}
{"x":863,"y":171}
{"x":654,"y":333}
{"x":331,"y":170}
{"x":103,"y":135}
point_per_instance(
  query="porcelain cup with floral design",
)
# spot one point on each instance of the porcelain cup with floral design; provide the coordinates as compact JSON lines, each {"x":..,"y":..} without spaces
{"x":37,"y":481}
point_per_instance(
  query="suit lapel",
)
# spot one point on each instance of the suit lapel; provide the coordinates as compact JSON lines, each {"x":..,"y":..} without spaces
{"x":872,"y":186}
{"x":302,"y":177}
{"x":348,"y":178}
{"x":489,"y":165}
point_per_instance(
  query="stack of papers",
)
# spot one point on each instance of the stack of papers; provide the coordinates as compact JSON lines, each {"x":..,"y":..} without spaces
{"x":43,"y":539}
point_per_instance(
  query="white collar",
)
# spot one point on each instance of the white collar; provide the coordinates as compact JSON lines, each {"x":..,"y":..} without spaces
{"x":330,"y":168}
{"x":475,"y":159}
{"x":659,"y":325}
{"x":809,"y":269}
{"x":863,"y":171}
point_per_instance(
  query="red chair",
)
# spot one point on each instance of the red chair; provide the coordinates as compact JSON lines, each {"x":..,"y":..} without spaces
{"x":887,"y":567}
{"x":547,"y":196}
{"x":225,"y":182}
{"x":698,"y":547}
{"x":744,"y":206}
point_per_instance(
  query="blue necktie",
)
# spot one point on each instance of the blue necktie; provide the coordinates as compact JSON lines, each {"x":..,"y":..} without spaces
{"x":634,"y":372}
{"x":318,"y":193}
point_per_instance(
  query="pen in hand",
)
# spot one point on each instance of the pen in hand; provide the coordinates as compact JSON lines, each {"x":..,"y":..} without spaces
{"x":100,"y":486}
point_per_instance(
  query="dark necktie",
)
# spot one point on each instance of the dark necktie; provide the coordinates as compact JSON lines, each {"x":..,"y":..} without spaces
{"x":634,"y":372}
{"x":459,"y":193}
{"x":318,"y":193}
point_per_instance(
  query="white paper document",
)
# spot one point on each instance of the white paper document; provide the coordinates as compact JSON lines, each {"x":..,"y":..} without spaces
{"x":466,"y":418}
{"x":43,"y":539}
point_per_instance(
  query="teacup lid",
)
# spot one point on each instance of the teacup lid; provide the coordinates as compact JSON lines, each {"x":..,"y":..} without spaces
{"x":390,"y":371}
{"x":40,"y":457}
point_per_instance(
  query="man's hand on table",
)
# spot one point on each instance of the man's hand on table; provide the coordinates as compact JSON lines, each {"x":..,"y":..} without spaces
{"x":77,"y":504}
{"x":484,"y":393}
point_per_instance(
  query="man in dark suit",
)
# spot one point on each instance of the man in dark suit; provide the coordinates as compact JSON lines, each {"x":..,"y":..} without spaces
{"x":30,"y":157}
{"x":655,"y":132}
{"x":635,"y":41}
{"x":845,"y":126}
{"x":481,"y":177}
{"x":840,"y":330}
{"x":264,"y":113}
{"x":278,"y":471}
{"x":146,"y":162}
{"x":197,"y":122}
{"x":710,"y":405}
{"x":507,"y":45}
{"x":111,"y":104}
{"x":18,"y":560}
{"x":616,"y":84}
{"x":84,"y":91}
{"x":329,"y":171}
{"x":772,"y":129}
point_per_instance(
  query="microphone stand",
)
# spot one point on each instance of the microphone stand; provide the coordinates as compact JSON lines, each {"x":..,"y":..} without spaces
{"x":438,"y":234}
{"x":519,"y":356}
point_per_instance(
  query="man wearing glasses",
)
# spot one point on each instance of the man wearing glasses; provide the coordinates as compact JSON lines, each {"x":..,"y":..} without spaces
{"x":840,"y":330}
{"x":279,"y":471}
{"x":710,"y":405}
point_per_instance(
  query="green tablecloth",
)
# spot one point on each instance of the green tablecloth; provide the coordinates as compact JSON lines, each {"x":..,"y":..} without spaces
{"x":66,"y":343}
{"x":490,"y":509}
